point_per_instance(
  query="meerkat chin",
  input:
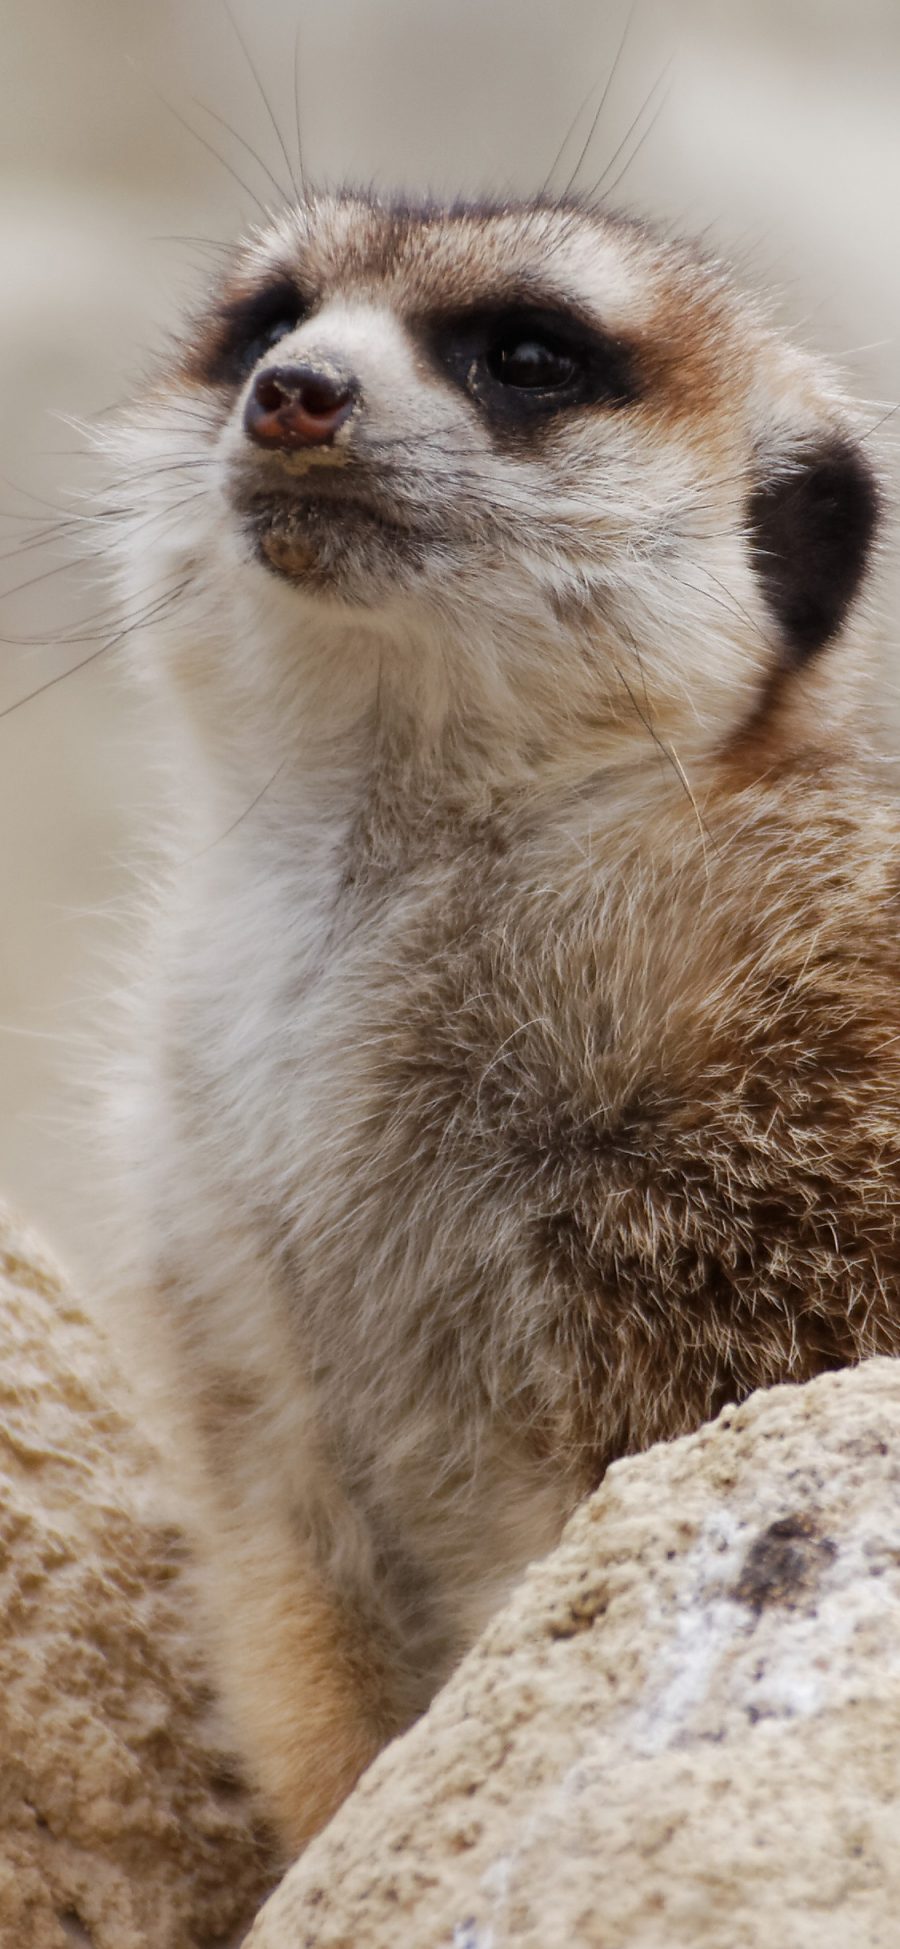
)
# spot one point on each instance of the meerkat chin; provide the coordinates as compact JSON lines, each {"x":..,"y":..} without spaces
{"x":519,"y":1070}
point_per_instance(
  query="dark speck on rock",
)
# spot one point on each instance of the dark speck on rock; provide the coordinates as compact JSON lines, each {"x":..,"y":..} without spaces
{"x":784,"y":1564}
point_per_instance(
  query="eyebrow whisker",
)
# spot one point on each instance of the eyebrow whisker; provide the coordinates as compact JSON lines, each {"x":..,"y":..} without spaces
{"x":262,"y":93}
{"x":602,"y":185}
{"x":629,"y":22}
{"x":245,"y":145}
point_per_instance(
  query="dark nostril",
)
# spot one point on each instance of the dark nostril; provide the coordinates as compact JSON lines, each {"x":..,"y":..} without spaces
{"x":268,"y":394}
{"x":317,"y":392}
{"x":296,"y":406}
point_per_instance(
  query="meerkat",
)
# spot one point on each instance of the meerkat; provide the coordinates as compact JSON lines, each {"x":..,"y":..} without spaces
{"x":516,"y":1076}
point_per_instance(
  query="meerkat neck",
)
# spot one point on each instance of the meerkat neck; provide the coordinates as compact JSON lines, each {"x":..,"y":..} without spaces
{"x":404,"y":726}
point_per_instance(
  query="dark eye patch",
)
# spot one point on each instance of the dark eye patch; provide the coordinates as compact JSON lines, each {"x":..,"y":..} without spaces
{"x":524,"y":363}
{"x":248,"y":326}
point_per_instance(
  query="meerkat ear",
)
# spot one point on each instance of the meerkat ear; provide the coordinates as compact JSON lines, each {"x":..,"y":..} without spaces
{"x":811,"y":531}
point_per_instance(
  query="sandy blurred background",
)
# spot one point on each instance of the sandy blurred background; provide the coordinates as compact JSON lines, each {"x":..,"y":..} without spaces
{"x":779,"y":133}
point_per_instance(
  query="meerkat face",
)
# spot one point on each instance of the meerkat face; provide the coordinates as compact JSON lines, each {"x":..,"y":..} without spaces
{"x":562,"y":444}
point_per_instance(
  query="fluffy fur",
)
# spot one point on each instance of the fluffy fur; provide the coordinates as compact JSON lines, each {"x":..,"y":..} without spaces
{"x":517,"y":1077}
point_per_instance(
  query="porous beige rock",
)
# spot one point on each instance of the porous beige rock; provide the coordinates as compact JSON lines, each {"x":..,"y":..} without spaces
{"x":123,"y":1824}
{"x":682,"y":1733}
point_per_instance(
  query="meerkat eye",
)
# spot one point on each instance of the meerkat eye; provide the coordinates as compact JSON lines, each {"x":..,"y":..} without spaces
{"x":247,"y":327}
{"x":523,"y":364}
{"x":264,"y":340}
{"x":530,"y":362}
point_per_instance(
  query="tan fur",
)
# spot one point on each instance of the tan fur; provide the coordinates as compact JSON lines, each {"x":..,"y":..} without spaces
{"x":518,"y":1061}
{"x":305,"y":1681}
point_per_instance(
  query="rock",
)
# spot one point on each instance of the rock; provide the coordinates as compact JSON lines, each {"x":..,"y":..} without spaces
{"x":123,"y":1824}
{"x":682,"y":1733}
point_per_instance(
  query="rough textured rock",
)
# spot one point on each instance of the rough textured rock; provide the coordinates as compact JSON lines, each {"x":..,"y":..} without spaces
{"x":122,"y":1823}
{"x":683,"y":1732}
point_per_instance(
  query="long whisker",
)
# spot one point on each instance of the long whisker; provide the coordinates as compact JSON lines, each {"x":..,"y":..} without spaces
{"x":297,"y":107}
{"x":565,"y":141}
{"x":665,"y":749}
{"x":278,"y":187}
{"x":254,"y":802}
{"x":43,"y":537}
{"x":602,"y":181}
{"x":152,"y":615}
{"x":102,"y":618}
{"x":629,"y":22}
{"x":264,"y":97}
{"x":210,"y":147}
{"x":225,"y":249}
{"x":32,"y":581}
{"x":610,"y":188}
{"x":40,"y":501}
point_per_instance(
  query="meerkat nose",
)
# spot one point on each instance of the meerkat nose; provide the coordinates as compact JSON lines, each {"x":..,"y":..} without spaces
{"x":294,"y":406}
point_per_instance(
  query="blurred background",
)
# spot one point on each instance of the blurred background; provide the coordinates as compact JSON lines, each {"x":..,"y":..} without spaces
{"x":773,"y":126}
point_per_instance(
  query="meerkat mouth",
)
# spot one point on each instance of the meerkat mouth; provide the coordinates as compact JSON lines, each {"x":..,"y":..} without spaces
{"x":326,"y":530}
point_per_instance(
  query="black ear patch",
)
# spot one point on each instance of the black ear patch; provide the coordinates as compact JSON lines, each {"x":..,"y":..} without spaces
{"x":811,"y":532}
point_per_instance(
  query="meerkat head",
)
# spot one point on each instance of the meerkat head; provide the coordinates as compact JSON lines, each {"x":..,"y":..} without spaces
{"x":530,"y":465}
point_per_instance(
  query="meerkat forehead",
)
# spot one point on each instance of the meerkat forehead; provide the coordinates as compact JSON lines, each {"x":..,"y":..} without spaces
{"x":423,"y":256}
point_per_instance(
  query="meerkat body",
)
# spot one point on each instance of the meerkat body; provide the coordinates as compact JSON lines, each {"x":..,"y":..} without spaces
{"x":517,"y":1078}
